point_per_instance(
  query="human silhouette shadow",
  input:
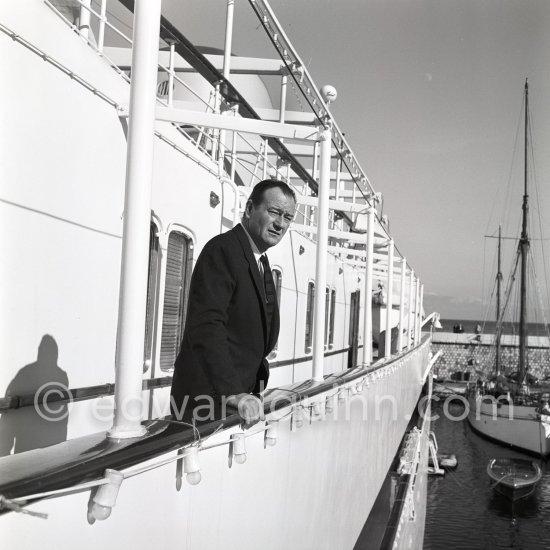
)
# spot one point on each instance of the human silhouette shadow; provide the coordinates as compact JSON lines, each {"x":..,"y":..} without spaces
{"x":34,"y":426}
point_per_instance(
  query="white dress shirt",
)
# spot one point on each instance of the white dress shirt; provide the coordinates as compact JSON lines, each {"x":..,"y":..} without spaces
{"x":256,"y":252}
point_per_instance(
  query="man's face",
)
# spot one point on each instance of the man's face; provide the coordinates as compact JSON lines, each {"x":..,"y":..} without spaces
{"x":268,"y":222}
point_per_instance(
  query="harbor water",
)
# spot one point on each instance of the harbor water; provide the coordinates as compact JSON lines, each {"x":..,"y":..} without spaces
{"x":463,"y":510}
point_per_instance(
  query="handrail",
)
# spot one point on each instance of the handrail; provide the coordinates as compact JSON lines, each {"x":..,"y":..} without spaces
{"x":81,"y":460}
{"x":170,"y":34}
{"x":67,"y":395}
{"x":204,"y":67}
{"x":295,"y":65}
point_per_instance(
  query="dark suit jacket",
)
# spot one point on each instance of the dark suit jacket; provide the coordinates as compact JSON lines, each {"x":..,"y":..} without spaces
{"x":225,"y":341}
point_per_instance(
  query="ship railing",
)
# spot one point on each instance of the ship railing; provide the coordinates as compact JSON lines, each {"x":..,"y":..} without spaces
{"x":84,"y":30}
{"x":86,"y":393}
{"x":91,"y":462}
{"x":223,"y":94}
{"x":216,"y":103}
{"x":298,"y":71}
{"x":209,"y":141}
{"x":84,"y":27}
{"x":122,"y":67}
{"x":411,"y":472}
{"x":82,"y":24}
{"x":84,"y":33}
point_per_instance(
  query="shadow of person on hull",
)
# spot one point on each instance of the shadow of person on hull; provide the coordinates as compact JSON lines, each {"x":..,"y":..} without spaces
{"x":40,"y":423}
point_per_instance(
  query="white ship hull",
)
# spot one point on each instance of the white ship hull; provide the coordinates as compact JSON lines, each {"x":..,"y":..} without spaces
{"x":313,"y":489}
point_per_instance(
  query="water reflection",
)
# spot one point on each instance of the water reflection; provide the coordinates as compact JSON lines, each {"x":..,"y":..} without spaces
{"x":505,"y":508}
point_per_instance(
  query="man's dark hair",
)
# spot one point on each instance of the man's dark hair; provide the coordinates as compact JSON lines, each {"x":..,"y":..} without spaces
{"x":261,"y":187}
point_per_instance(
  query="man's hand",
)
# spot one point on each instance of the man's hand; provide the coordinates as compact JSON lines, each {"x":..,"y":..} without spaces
{"x":249,"y":407}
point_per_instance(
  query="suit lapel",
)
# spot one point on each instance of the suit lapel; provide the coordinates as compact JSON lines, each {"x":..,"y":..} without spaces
{"x":271,"y":338}
{"x":254,"y":270}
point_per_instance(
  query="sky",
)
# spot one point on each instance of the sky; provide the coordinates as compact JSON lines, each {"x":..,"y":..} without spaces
{"x":430,"y":98}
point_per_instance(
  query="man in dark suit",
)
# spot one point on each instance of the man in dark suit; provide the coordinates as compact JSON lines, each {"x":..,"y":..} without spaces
{"x":232,"y":318}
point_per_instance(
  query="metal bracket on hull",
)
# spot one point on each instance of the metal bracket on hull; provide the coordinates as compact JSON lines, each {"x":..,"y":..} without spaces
{"x":435,"y":469}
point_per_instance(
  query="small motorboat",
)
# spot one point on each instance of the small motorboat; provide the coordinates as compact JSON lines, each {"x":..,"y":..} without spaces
{"x":450,"y":387}
{"x":447,"y":461}
{"x":514,"y":478}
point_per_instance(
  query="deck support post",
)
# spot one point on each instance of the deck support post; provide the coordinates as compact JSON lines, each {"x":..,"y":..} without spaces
{"x":228,"y":38}
{"x":226,"y":72}
{"x":411,"y":305}
{"x":389,"y":299}
{"x":265,"y":160}
{"x":314,"y":174}
{"x":419,"y":314}
{"x":416,"y":312}
{"x":102,"y":21}
{"x":322,"y":253}
{"x":171,"y":73}
{"x":284,"y":84}
{"x":234,"y":141}
{"x":337,"y":186}
{"x":402,"y":305}
{"x":84,"y":19}
{"x":137,"y":223}
{"x":367,"y":310}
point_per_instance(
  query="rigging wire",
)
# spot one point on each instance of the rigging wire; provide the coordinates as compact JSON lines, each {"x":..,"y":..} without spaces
{"x":515,"y":152}
{"x":537,"y":302}
{"x":544,"y":308}
{"x":483,"y":271}
{"x":535,"y":298}
{"x":509,"y":290}
{"x":493,"y":289}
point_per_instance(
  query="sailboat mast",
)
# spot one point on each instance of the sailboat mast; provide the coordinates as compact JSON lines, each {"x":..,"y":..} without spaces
{"x":524,"y":249}
{"x":498,"y":323}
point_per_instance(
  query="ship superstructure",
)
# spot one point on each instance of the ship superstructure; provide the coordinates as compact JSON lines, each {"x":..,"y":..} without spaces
{"x":122,"y":159}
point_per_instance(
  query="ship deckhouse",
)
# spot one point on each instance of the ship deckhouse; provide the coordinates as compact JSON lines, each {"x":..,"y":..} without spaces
{"x":127,"y":147}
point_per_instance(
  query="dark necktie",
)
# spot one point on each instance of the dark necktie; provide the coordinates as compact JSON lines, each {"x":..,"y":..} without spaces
{"x":270,"y":294}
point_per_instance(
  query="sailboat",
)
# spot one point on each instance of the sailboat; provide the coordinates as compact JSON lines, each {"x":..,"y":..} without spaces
{"x":505,"y":408}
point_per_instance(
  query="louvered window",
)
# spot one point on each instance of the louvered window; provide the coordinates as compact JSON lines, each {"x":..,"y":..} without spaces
{"x":327,"y":314}
{"x":178,"y":269}
{"x":152,"y":287}
{"x":331,"y":324}
{"x":309,"y":316}
{"x":354,"y":318}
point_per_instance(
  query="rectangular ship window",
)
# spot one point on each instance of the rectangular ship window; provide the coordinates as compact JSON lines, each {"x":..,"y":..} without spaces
{"x":277,"y":279}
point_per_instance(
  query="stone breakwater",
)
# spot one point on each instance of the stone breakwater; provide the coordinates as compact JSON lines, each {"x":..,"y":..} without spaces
{"x":471,"y":352}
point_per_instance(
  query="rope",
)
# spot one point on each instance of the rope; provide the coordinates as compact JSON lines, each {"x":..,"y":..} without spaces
{"x":6,"y":503}
{"x":60,"y":492}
